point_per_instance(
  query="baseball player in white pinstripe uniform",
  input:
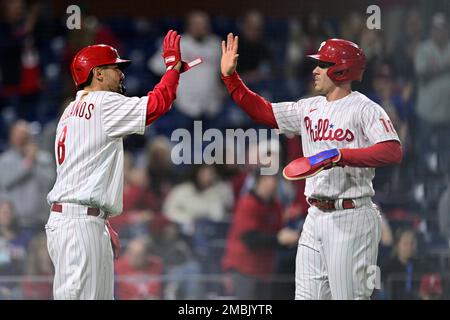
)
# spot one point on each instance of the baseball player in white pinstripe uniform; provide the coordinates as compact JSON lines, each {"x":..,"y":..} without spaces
{"x":89,"y":158}
{"x":344,"y":136}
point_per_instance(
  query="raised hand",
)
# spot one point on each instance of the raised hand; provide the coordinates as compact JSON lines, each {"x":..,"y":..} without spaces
{"x":171,"y":49}
{"x":229,"y":55}
{"x":172,"y":54}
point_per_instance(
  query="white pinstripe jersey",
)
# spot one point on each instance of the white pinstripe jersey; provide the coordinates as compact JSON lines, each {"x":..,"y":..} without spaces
{"x":89,"y":148}
{"x":350,"y":122}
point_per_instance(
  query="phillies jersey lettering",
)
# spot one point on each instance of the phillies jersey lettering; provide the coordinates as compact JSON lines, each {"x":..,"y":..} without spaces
{"x":89,"y":148}
{"x":351,"y":122}
{"x":323,"y":130}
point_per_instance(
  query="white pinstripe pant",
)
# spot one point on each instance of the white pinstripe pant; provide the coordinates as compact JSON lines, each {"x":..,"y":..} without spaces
{"x":80,"y":248}
{"x":334,"y":252}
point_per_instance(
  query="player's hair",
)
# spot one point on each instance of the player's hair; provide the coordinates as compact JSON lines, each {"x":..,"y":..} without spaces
{"x":88,"y":81}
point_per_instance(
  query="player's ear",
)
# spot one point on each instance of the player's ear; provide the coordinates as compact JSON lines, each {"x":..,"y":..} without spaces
{"x":98,"y":73}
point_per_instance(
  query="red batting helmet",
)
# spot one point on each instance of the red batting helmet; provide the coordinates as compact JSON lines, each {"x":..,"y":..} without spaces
{"x":93,"y":56}
{"x":347,"y":58}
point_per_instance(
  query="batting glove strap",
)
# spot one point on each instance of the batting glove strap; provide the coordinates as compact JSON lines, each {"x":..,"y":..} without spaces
{"x":185,"y":66}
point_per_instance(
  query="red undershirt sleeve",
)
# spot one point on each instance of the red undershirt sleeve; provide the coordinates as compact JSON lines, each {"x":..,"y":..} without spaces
{"x":161,"y":97}
{"x":379,"y":155}
{"x":259,"y":109}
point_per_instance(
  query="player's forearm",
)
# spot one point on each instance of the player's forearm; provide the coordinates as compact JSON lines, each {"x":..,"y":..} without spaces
{"x":379,"y":155}
{"x":160,"y":99}
{"x":259,"y":109}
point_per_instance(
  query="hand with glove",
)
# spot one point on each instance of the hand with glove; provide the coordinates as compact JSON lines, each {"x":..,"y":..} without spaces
{"x":172,"y":53}
{"x":306,"y":167}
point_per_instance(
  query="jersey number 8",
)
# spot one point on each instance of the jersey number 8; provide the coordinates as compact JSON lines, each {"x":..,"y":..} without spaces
{"x":61,"y":151}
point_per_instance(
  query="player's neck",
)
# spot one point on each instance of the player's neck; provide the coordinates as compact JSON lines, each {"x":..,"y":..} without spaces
{"x":339,"y":92}
{"x":93,"y":88}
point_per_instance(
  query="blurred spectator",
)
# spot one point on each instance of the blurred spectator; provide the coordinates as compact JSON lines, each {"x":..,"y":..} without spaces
{"x":269,"y":152}
{"x":312,"y":32}
{"x":372,"y":42}
{"x":47,"y":135}
{"x":199,"y":94}
{"x":139,"y":263}
{"x":297,"y":210}
{"x":444,"y":213}
{"x":403,"y":271}
{"x":386,"y":94}
{"x":386,"y":242}
{"x":254,"y":54}
{"x":19,"y":60}
{"x":405,"y":47}
{"x":140,"y":205}
{"x":432,"y":63}
{"x":295,"y":50}
{"x":160,"y":169}
{"x":92,"y":31}
{"x":38,"y":265}
{"x":204,"y":196}
{"x":236,"y":175}
{"x":13,"y":248}
{"x":352,"y":26}
{"x":431,"y":287}
{"x":293,"y":217}
{"x":27,"y":176}
{"x":179,"y":261}
{"x":255,"y":232}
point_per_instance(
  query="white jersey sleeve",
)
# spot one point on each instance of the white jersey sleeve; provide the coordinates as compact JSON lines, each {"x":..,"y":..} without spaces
{"x":289,"y":116}
{"x":376,"y":125}
{"x":122,"y":115}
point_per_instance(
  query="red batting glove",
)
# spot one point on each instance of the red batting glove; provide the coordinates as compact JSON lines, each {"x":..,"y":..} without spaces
{"x":172,"y":53}
{"x":115,"y":241}
{"x":171,"y":49}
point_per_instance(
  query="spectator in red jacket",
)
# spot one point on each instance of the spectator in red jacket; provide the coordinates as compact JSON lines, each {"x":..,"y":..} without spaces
{"x":255,"y":232}
{"x":133,"y":270}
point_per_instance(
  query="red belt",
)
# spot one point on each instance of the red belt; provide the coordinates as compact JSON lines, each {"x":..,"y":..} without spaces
{"x":331,"y":204}
{"x":56,"y":207}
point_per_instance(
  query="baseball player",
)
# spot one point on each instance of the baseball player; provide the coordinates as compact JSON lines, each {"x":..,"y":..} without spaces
{"x":344,"y":136}
{"x":89,"y":159}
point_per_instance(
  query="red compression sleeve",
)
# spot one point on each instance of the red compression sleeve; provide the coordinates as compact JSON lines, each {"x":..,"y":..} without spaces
{"x":258,"y":108}
{"x":161,"y":97}
{"x":379,"y":155}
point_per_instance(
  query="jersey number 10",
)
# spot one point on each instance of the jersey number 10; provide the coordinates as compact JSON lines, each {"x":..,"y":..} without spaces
{"x":387,"y":125}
